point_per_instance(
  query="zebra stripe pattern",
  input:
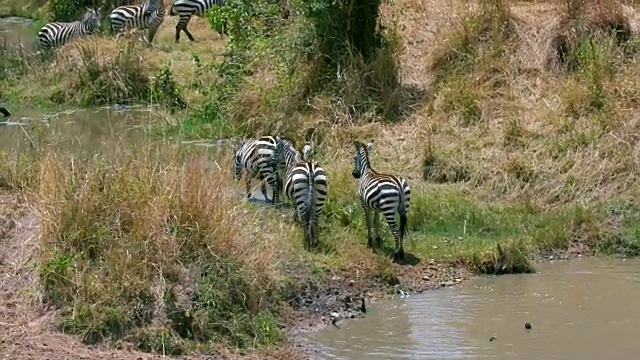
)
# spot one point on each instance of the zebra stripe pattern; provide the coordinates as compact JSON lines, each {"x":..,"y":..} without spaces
{"x":381,"y":193}
{"x":149,"y":15}
{"x":56,"y":34}
{"x":185,"y":9}
{"x":305,"y":186}
{"x":255,"y":157}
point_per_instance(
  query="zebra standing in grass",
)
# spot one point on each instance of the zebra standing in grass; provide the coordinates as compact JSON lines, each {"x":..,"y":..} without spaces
{"x":185,"y":9}
{"x":382,"y":193}
{"x":149,"y":15}
{"x":56,"y":34}
{"x":255,"y":157}
{"x":305,"y":186}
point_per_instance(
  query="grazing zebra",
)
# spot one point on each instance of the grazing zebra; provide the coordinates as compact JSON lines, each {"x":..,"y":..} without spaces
{"x":305,"y":186}
{"x":56,"y":34}
{"x":255,"y":157}
{"x":185,"y":9}
{"x":149,"y":15}
{"x":382,"y":193}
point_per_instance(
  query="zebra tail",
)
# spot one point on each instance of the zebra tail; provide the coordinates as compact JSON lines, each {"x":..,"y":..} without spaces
{"x":402,"y":210}
{"x":171,"y":11}
{"x":311,"y":201}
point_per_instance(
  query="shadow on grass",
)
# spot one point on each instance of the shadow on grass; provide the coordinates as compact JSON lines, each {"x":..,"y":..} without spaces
{"x":409,"y":259}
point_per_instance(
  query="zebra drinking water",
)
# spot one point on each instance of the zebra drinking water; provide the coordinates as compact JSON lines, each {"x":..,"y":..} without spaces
{"x":56,"y":34}
{"x":149,"y":15}
{"x":381,"y":193}
{"x":305,"y":186}
{"x":255,"y":157}
{"x":185,"y":9}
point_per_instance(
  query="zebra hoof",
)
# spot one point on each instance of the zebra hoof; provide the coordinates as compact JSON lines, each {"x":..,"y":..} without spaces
{"x":398,"y":256}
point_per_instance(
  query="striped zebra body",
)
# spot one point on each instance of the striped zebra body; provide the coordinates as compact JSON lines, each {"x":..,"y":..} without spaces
{"x":255,"y":157}
{"x":305,"y":186}
{"x":185,"y":9}
{"x":381,"y":193}
{"x":56,"y":34}
{"x":149,"y":15}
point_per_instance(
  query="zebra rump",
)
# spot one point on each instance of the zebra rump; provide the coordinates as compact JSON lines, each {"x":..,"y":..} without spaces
{"x":305,"y":186}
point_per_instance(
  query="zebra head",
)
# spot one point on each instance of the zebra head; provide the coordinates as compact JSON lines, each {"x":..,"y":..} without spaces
{"x":285,"y":148}
{"x":237,"y":159}
{"x":92,"y":18}
{"x":361,"y":158}
{"x":306,"y":151}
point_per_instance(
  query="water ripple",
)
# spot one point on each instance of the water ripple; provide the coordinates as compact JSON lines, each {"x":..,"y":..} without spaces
{"x":584,"y":309}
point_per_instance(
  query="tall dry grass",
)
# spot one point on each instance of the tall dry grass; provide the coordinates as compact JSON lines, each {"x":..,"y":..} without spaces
{"x":149,"y":244}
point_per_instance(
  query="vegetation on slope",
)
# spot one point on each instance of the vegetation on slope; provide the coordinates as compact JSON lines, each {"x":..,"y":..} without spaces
{"x":518,"y":137}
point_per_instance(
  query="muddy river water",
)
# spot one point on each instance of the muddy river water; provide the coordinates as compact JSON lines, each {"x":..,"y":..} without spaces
{"x":579,"y":309}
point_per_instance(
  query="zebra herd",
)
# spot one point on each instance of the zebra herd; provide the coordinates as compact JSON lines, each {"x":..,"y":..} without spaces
{"x":149,"y":16}
{"x":306,"y":186}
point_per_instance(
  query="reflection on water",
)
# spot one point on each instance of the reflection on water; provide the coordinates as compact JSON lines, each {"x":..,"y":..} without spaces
{"x":14,"y":31}
{"x":579,"y":309}
{"x":89,"y":129}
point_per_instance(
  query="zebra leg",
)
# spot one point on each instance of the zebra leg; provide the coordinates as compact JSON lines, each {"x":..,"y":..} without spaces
{"x":367,"y":216}
{"x":399,"y":251}
{"x":247,"y":182}
{"x":376,"y":227}
{"x":178,"y":29}
{"x":183,"y":27}
{"x":273,"y":183}
{"x":151,"y":33}
{"x":263,"y":189}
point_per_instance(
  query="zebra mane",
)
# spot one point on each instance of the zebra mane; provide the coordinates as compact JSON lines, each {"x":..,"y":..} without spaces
{"x":286,"y":140}
{"x":366,"y":148}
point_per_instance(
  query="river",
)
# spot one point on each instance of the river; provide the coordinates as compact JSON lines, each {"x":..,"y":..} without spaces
{"x":579,"y":309}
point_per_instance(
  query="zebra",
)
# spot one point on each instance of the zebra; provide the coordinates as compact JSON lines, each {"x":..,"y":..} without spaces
{"x":381,"y":193}
{"x":185,"y":9}
{"x":56,"y":34}
{"x":149,"y":15}
{"x":255,"y":157}
{"x":305,"y":185}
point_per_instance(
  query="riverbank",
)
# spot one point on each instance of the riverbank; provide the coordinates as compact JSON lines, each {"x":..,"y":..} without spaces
{"x":515,"y":150}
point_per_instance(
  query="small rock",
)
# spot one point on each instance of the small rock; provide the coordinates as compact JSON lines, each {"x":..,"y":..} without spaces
{"x":493,"y":338}
{"x":426,"y":277}
{"x":351,"y":282}
{"x":527,"y":326}
{"x":551,"y":257}
{"x":335,"y":315}
{"x":435,"y":247}
{"x":457,"y":280}
{"x":432,"y":262}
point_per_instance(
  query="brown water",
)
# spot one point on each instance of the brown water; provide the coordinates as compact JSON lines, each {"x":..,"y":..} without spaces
{"x":580,"y":309}
{"x":15,"y":30}
{"x":89,"y":129}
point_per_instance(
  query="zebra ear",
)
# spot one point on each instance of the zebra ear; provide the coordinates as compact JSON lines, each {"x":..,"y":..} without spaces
{"x":306,"y":150}
{"x":370,"y":146}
